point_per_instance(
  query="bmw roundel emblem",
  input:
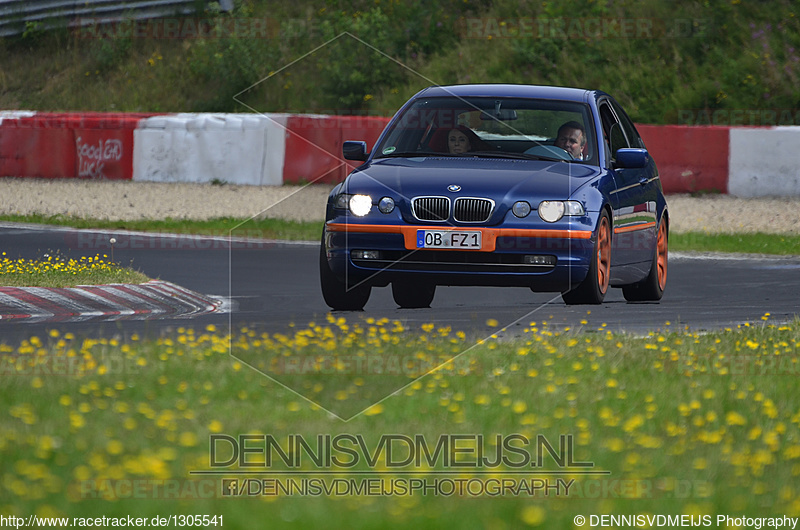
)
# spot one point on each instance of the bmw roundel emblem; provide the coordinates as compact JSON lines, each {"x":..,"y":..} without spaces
{"x":454,"y":188}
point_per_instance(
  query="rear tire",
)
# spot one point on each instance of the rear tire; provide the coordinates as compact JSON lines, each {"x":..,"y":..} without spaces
{"x":651,"y":289}
{"x":336,"y":294}
{"x":593,"y":289}
{"x":412,"y":296}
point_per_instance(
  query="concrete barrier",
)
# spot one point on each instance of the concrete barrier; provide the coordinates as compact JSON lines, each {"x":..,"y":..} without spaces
{"x":765,"y":162}
{"x":689,"y":158}
{"x":67,"y":145}
{"x":234,"y":148}
{"x":314,"y":145}
{"x":274,"y":149}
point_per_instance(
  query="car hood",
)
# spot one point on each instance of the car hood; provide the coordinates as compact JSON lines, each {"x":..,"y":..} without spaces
{"x":502,"y":180}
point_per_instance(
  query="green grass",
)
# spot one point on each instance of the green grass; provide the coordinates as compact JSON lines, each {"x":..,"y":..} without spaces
{"x":222,"y":227}
{"x":779,"y":244}
{"x":691,"y":59}
{"x":59,"y":271}
{"x":686,"y":423}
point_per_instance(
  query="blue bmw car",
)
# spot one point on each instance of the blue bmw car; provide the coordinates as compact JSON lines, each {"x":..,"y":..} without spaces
{"x":498,"y":185}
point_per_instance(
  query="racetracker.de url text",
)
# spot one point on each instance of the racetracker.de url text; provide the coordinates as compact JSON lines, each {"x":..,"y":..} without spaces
{"x":33,"y":521}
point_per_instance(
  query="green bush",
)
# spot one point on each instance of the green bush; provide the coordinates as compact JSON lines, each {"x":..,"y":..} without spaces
{"x":369,"y":56}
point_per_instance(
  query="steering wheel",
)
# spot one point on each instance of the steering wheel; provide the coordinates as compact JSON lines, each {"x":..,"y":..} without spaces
{"x":549,"y":151}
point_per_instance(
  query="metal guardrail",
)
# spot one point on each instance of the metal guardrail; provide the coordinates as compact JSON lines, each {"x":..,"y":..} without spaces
{"x":17,"y":16}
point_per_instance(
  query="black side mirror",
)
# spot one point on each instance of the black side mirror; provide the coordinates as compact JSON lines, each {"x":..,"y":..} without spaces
{"x":354,"y":150}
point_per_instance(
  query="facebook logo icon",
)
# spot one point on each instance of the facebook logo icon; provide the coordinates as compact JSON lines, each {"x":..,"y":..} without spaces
{"x":230,"y":486}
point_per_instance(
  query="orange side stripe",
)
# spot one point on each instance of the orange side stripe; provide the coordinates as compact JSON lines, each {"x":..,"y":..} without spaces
{"x":633,"y":228}
{"x":488,"y":235}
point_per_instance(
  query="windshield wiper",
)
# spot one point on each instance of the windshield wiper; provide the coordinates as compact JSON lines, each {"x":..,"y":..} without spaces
{"x":412,"y":154}
{"x":474,"y":154}
{"x":517,"y":156}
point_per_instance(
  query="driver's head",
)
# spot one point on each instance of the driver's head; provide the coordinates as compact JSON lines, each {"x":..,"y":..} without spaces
{"x":458,"y":142}
{"x":571,"y":137}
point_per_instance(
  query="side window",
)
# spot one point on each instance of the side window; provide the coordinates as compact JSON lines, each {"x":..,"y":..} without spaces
{"x":614,"y":135}
{"x":627,"y":124}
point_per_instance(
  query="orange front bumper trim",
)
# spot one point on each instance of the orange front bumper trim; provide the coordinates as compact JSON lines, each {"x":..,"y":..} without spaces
{"x":488,"y":235}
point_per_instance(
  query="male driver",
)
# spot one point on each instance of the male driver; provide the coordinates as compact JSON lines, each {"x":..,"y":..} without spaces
{"x":571,"y":138}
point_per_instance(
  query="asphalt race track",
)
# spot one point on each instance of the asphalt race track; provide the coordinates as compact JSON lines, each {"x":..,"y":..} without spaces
{"x":274,"y":286}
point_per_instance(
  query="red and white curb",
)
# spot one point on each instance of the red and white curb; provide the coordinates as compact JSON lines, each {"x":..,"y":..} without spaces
{"x":152,"y":300}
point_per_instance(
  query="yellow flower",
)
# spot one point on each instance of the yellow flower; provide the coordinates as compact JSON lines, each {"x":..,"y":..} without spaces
{"x":482,"y":399}
{"x":633,"y":423}
{"x":533,"y":515}
{"x":188,"y":439}
{"x":754,"y":433}
{"x":374,"y":410}
{"x":82,"y":473}
{"x":615,"y":444}
{"x":76,"y":420}
{"x":734,"y":418}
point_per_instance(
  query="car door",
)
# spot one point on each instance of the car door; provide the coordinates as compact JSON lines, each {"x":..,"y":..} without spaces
{"x":634,"y":234}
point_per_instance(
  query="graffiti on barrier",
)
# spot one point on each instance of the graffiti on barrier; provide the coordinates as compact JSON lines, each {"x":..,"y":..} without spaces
{"x":92,"y":157}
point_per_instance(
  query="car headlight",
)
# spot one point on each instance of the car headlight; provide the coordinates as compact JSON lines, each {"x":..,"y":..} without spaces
{"x":552,"y":211}
{"x":521,"y":209}
{"x":360,"y":205}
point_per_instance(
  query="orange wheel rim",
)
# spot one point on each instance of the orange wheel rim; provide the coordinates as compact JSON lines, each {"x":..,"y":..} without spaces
{"x":661,"y":258}
{"x":603,"y":255}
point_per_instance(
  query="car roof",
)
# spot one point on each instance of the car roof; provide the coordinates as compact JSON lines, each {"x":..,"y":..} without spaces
{"x":510,"y":90}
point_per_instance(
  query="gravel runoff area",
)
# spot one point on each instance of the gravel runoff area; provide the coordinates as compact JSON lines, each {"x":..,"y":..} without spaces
{"x":125,"y":200}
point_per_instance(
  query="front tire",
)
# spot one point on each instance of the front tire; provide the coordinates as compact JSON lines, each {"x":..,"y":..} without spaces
{"x":411,"y":296}
{"x":336,"y":294}
{"x":592,"y":290}
{"x":651,"y":289}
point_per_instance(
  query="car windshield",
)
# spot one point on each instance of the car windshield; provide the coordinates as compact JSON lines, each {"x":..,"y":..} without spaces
{"x":487,"y":127}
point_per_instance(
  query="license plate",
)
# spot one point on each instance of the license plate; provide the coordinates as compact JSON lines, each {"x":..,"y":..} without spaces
{"x":467,"y":240}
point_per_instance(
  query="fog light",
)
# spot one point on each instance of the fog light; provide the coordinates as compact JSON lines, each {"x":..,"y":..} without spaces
{"x":366,"y":254}
{"x":540,"y":260}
